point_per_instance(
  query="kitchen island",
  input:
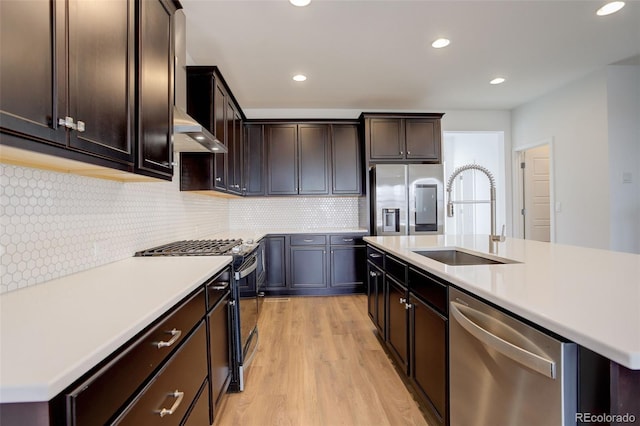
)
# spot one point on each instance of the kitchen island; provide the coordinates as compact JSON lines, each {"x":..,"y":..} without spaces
{"x":587,"y":296}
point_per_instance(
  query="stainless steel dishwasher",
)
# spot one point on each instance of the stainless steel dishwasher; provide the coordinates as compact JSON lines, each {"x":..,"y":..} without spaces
{"x":505,"y":372}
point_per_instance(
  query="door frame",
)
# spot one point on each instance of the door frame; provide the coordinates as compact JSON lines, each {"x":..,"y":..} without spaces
{"x":518,"y":195}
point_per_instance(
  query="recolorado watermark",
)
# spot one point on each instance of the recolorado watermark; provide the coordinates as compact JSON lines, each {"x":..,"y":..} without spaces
{"x":605,"y":418}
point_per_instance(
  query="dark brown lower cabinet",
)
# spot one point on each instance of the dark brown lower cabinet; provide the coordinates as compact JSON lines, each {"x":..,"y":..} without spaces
{"x":275,"y":260}
{"x":428,"y":337}
{"x":219,"y":350}
{"x":375,"y":297}
{"x":166,"y":399}
{"x":347,"y":266}
{"x":199,"y":414}
{"x":397,"y":321}
{"x":308,"y":266}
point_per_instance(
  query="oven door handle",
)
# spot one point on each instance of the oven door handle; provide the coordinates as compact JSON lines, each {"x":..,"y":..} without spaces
{"x":248,"y":270}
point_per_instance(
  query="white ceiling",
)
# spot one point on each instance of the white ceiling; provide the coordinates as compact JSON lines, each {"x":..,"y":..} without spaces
{"x":377,"y":55}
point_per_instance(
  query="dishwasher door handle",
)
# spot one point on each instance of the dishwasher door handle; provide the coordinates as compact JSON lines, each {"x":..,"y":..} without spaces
{"x":536,"y":362}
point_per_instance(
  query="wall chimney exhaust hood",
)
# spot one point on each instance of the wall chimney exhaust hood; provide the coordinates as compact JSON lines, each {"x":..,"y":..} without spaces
{"x":190,"y":136}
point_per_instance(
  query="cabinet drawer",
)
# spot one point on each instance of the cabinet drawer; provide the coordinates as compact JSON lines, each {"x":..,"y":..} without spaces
{"x":429,"y":290}
{"x":173,"y":389}
{"x":98,"y":398}
{"x":308,"y":240}
{"x":346,"y":240}
{"x":396,"y":269}
{"x":218,"y":288}
{"x":375,"y":256}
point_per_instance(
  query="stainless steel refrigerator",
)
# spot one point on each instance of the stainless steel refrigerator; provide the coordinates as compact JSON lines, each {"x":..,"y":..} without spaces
{"x":407,"y":199}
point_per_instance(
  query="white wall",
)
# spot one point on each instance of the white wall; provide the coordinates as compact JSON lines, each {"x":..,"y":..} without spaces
{"x":575,"y":117}
{"x":623,"y":87}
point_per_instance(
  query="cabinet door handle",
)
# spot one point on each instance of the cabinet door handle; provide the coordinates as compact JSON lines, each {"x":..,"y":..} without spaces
{"x":220,"y":287}
{"x":80,"y":126}
{"x":175,"y":336}
{"x":178,"y":396}
{"x":375,"y":255}
{"x":67,"y":122}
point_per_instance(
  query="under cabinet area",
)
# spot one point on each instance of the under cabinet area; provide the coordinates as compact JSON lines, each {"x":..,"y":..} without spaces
{"x":61,"y":100}
{"x":314,"y":264}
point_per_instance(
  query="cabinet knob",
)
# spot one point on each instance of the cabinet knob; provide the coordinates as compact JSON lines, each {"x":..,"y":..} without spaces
{"x":80,"y":126}
{"x":401,"y":152}
{"x":403,"y":300}
{"x":218,"y":179}
{"x":408,"y":152}
{"x":408,"y":306}
{"x":373,"y":274}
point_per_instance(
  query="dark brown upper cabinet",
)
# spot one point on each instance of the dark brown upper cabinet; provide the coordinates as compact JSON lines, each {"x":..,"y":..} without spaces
{"x":346,"y":160}
{"x":298,"y":159}
{"x":254,"y":160}
{"x":282,"y":159}
{"x":74,"y":94}
{"x":155,"y":94}
{"x":212,"y":104}
{"x":403,"y":137}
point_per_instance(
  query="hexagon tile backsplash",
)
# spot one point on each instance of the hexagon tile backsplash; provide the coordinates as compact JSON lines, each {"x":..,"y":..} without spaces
{"x":54,"y":224}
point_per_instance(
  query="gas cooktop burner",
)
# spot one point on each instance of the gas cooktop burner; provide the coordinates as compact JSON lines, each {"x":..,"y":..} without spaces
{"x":194,"y":248}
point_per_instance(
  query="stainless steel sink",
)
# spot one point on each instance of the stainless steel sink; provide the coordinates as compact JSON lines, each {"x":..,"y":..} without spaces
{"x":458,"y":258}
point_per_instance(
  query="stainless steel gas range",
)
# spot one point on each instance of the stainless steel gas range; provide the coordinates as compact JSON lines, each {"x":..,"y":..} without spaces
{"x":247,"y":270}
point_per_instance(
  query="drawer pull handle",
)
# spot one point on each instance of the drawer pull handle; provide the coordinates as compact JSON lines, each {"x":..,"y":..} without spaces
{"x":308,"y":240}
{"x":375,"y":255}
{"x":178,"y":396}
{"x":347,"y":240}
{"x":175,"y":336}
{"x":219,"y":287}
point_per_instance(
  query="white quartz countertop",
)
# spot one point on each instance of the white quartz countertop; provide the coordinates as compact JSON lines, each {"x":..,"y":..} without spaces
{"x":589,"y":296}
{"x":53,"y":333}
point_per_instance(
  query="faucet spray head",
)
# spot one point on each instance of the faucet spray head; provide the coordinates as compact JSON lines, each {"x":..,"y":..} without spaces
{"x":449,"y":209}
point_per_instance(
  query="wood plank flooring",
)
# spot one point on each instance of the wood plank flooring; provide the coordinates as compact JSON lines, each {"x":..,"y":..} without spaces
{"x":320,"y":363}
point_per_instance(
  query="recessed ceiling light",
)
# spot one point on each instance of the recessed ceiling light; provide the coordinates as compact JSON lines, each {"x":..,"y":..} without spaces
{"x":299,"y":77}
{"x":497,"y":80}
{"x":440,"y":43}
{"x":609,"y":8}
{"x":300,"y":2}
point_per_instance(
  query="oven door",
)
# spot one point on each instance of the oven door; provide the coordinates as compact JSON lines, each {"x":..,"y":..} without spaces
{"x":247,"y":318}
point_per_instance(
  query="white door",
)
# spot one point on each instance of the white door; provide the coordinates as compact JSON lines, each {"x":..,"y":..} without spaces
{"x":537,"y":205}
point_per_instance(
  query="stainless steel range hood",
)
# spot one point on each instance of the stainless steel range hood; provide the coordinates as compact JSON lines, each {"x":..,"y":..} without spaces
{"x":190,"y":136}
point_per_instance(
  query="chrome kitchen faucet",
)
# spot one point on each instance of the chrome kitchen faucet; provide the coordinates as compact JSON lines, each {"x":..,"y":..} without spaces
{"x":493,"y":238}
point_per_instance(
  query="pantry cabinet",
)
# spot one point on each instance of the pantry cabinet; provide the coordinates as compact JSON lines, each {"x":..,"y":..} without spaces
{"x":73,"y":87}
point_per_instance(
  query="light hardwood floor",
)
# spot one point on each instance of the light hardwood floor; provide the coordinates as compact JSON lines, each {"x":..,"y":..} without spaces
{"x":320,"y":363}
